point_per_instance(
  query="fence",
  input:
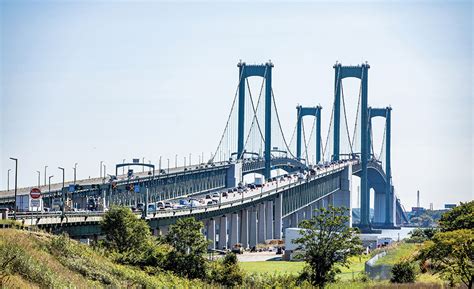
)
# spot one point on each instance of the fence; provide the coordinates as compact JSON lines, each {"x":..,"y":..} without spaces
{"x":381,"y":271}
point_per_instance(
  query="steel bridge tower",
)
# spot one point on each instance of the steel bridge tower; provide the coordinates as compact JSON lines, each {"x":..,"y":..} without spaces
{"x":311,"y":111}
{"x":265,"y":71}
{"x":389,"y":197}
{"x":360,"y":72}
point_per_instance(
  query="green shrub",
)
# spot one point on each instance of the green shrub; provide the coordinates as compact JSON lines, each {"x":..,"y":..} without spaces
{"x":403,"y":272}
{"x":226,"y":271}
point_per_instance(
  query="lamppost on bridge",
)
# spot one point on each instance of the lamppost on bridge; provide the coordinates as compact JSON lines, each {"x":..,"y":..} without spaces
{"x":168,"y":166}
{"x":16,"y":183}
{"x":49,"y":184}
{"x":101,"y":162}
{"x":75,"y":170}
{"x":105,"y":171}
{"x":8,"y":180}
{"x":45,"y":167}
{"x":159,"y":166}
{"x":190,"y":159}
{"x":39,"y":177}
{"x":143,"y":167}
{"x":184,"y":162}
{"x":176,"y":161}
{"x":62,"y":191}
{"x":123,"y":168}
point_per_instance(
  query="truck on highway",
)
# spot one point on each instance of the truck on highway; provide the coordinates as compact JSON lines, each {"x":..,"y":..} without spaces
{"x":259,"y":181}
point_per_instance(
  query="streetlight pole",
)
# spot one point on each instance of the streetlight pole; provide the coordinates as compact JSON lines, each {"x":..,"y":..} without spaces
{"x":8,"y":180}
{"x":39,"y":177}
{"x":62,"y":191}
{"x":16,"y":182}
{"x":143,"y":167}
{"x":75,"y":169}
{"x":190,"y":159}
{"x":105,"y":170}
{"x":101,"y":168}
{"x":123,"y":168}
{"x":168,"y":166}
{"x":45,"y":167}
{"x":175,"y":161}
{"x":159,"y":165}
{"x":49,"y":189}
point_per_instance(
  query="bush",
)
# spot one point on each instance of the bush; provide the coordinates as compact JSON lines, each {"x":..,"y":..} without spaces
{"x":227,"y":271}
{"x":403,"y":272}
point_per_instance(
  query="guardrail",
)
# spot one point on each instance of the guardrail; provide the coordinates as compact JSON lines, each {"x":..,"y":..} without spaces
{"x":193,"y":210}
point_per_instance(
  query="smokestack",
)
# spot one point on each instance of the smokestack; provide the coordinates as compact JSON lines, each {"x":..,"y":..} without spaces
{"x":418,"y":199}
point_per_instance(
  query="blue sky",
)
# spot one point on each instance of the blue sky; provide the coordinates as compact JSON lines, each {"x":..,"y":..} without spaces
{"x":91,"y":81}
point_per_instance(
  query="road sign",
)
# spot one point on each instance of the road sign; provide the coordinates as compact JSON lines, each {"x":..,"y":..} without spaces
{"x":36,"y":203}
{"x":35,"y":193}
{"x":71,"y":188}
{"x":137,"y":189}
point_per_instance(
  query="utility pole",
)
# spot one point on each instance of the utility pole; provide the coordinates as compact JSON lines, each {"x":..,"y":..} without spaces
{"x":39,"y":177}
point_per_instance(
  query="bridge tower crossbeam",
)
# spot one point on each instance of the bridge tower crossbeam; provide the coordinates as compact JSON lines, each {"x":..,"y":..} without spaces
{"x":308,"y":111}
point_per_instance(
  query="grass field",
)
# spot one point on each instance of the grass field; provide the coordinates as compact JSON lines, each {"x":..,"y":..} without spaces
{"x":293,"y":268}
{"x":272,"y":267}
{"x":401,"y":251}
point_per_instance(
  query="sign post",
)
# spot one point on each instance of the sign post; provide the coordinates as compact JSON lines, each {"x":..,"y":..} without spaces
{"x":35,"y":201}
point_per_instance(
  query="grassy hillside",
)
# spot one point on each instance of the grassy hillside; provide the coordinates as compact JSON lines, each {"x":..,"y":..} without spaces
{"x":32,"y":260}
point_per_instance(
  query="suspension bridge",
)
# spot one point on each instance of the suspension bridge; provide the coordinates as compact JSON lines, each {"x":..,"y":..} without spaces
{"x":252,"y":142}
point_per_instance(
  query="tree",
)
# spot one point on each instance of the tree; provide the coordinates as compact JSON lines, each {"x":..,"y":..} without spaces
{"x":126,"y":235}
{"x":403,"y":272}
{"x":460,"y":217}
{"x":327,"y":240}
{"x":189,"y":248}
{"x":451,"y":251}
{"x":227,"y":271}
{"x":451,"y":254}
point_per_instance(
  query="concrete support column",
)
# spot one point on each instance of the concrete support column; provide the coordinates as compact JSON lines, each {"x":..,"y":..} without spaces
{"x":278,"y":216}
{"x":253,"y":227}
{"x":379,"y":208}
{"x":294,"y":220}
{"x":300,"y":213}
{"x":211,"y":233}
{"x":261,"y":223}
{"x":234,"y":230}
{"x":223,"y":232}
{"x":342,"y":198}
{"x":269,"y":219}
{"x":163,"y":230}
{"x":244,"y":228}
{"x":307,"y":213}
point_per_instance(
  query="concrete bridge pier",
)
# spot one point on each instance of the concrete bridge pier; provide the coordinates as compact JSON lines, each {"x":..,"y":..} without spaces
{"x":278,"y":216}
{"x":244,"y":228}
{"x":379,"y":208}
{"x":269,"y":219}
{"x":294,"y":220}
{"x":223,"y":232}
{"x":253,"y":227}
{"x":261,"y":237}
{"x":234,"y":230}
{"x":163,"y":230}
{"x":211,"y":233}
{"x":342,"y":197}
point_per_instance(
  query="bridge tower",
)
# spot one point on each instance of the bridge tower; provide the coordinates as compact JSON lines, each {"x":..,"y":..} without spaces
{"x":360,"y":72}
{"x":389,"y":196}
{"x":311,"y":111}
{"x":265,"y":71}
